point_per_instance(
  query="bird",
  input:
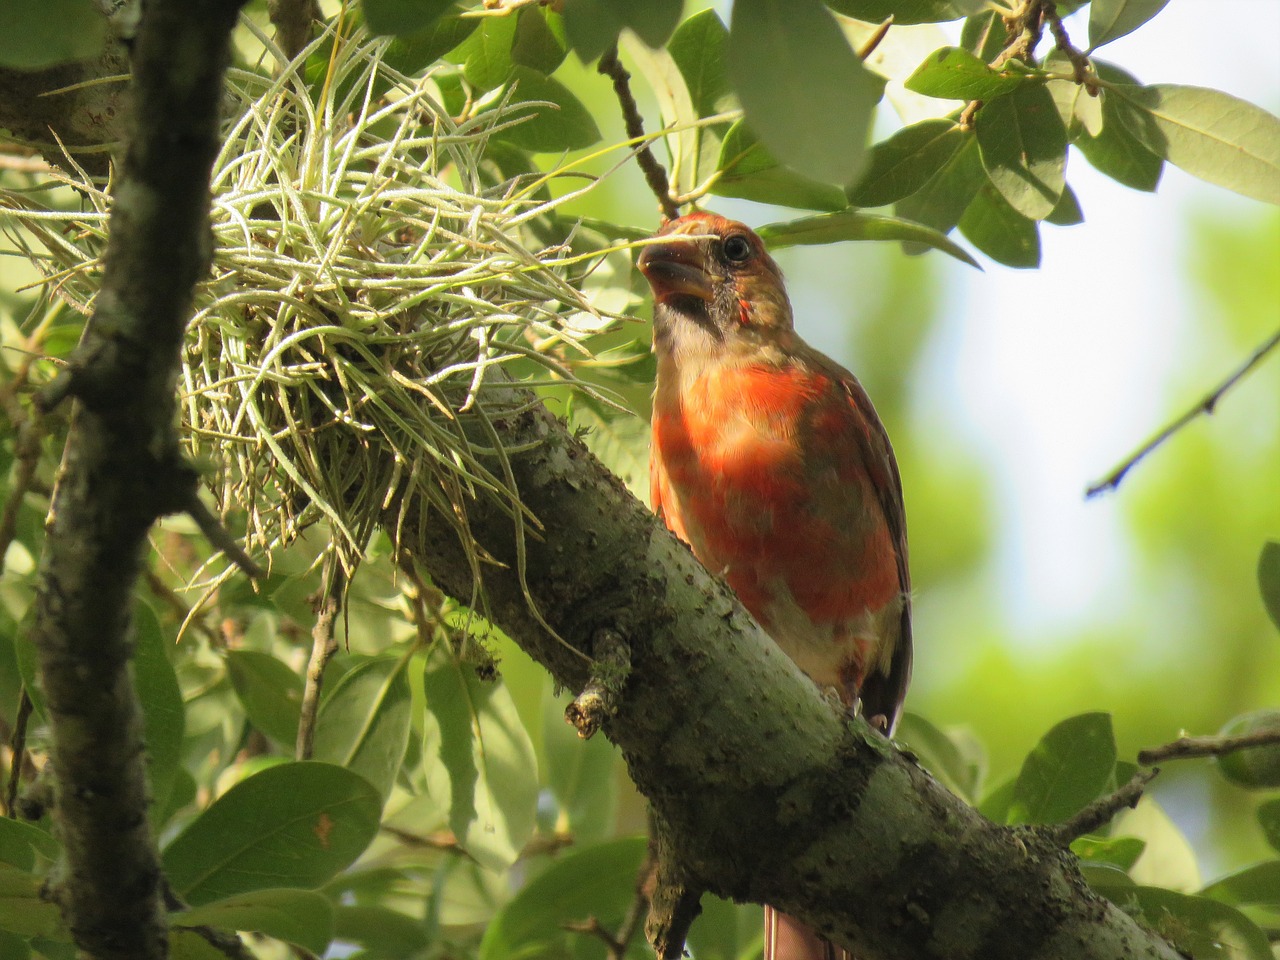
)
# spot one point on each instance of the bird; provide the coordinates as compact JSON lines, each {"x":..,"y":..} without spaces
{"x":769,"y":460}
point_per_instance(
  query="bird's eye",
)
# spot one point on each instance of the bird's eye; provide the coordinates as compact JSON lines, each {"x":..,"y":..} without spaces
{"x":737,"y":248}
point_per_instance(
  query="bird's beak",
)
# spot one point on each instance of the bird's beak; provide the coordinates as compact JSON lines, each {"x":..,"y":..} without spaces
{"x":675,"y":270}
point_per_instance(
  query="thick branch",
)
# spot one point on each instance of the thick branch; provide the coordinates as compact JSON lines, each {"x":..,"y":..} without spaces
{"x":766,"y":792}
{"x":122,"y":471}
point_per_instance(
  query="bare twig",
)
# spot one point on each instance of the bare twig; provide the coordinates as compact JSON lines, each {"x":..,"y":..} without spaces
{"x":1079,"y":62}
{"x":324,"y":644}
{"x":599,"y":699}
{"x":1185,"y":748}
{"x":443,"y":840}
{"x":18,"y":753}
{"x":654,"y":173}
{"x":293,"y":20}
{"x":1102,"y":810}
{"x":221,"y":538}
{"x":29,"y":433}
{"x":1207,"y":405}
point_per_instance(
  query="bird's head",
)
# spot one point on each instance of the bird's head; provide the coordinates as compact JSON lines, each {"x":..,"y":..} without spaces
{"x":713,"y":281}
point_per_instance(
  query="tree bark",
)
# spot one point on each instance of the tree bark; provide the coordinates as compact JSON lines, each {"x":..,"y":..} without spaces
{"x":121,"y":471}
{"x":764,"y":789}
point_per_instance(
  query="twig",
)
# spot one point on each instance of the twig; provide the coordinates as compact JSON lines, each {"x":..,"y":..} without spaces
{"x":220,"y":537}
{"x":1079,"y":62}
{"x":17,"y":753}
{"x":1206,"y":406}
{"x":1187,"y":747}
{"x":654,"y":173}
{"x":616,"y":944}
{"x":443,"y":840}
{"x":1102,"y":810}
{"x":29,"y":433}
{"x":615,"y":949}
{"x":324,"y":644}
{"x":611,"y":665}
{"x":228,"y":944}
{"x":869,"y":45}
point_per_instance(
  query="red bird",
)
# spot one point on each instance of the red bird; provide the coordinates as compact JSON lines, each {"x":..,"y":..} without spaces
{"x":768,"y":459}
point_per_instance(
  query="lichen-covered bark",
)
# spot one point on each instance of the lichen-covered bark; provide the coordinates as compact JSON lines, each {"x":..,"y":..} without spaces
{"x":122,"y":471}
{"x":765,"y":790}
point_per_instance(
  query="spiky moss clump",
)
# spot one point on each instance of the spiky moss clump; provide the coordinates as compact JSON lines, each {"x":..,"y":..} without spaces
{"x":366,"y":283}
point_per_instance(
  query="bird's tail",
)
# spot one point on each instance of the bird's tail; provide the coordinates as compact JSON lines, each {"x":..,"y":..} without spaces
{"x":786,"y":938}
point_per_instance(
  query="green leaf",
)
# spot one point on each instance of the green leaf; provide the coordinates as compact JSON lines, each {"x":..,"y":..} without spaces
{"x":294,"y":916}
{"x":1269,"y":579}
{"x":943,"y":200}
{"x":653,"y":21}
{"x":803,"y":89}
{"x":382,"y":933}
{"x":857,"y":225}
{"x":1121,"y":852}
{"x":1068,"y":768}
{"x":270,"y":693}
{"x":591,"y":25}
{"x":1269,"y":818}
{"x":43,"y":33}
{"x":1259,"y":884}
{"x":691,"y":157}
{"x":1197,"y":926}
{"x":531,"y":926}
{"x":1080,"y":112}
{"x":953,"y":73}
{"x":984,"y":35}
{"x":1067,"y":213}
{"x":364,"y":722}
{"x":291,"y":825}
{"x":1209,"y":134}
{"x":23,"y":910}
{"x":20,"y":842}
{"x":902,"y":164}
{"x":698,"y":48}
{"x":1111,"y":19}
{"x":939,"y":754}
{"x":474,"y":731}
{"x":412,"y":53}
{"x":559,"y":120}
{"x":14,"y":947}
{"x":539,"y":41}
{"x":1000,"y":231}
{"x":485,"y":55}
{"x":752,"y":173}
{"x":905,"y":11}
{"x":403,"y":16}
{"x":995,"y":805}
{"x":1024,"y":150}
{"x":163,"y":717}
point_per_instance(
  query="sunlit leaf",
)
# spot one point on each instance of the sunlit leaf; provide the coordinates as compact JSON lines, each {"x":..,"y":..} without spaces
{"x":857,"y":225}
{"x":591,"y":25}
{"x":1067,"y":769}
{"x":906,"y":161}
{"x":539,"y":40}
{"x":1210,"y":134}
{"x":1111,"y":19}
{"x":383,"y":933}
{"x":940,"y":755}
{"x":1259,"y":884}
{"x":1000,"y":231}
{"x":294,"y":916}
{"x":984,"y":35}
{"x":474,"y":731}
{"x":531,"y":926}
{"x":485,"y":55}
{"x":698,"y":48}
{"x":1080,"y":112}
{"x":1269,"y":579}
{"x":1121,"y":852}
{"x":412,"y":53}
{"x":364,"y":721}
{"x":291,"y":825}
{"x":942,"y":201}
{"x":20,"y":842}
{"x":954,"y":73}
{"x":803,"y":89}
{"x":23,"y":907}
{"x":1024,"y":150}
{"x":579,"y":772}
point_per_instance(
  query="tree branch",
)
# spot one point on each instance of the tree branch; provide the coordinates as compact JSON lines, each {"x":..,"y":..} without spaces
{"x":293,"y":20}
{"x":324,"y":644}
{"x":1103,"y":809}
{"x":654,"y":173}
{"x":764,"y":790}
{"x":123,"y":470}
{"x":1206,"y":406}
{"x":1187,"y":747}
